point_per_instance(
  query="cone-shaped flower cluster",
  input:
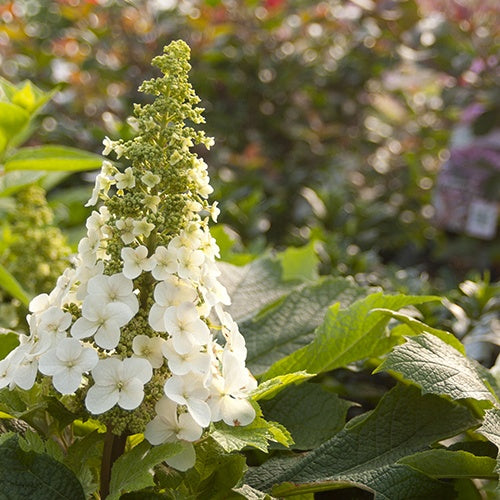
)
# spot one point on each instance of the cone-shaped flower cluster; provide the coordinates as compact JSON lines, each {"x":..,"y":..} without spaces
{"x":138,"y":322}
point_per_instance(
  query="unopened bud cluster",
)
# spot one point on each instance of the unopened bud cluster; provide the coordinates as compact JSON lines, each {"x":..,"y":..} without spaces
{"x":138,"y":322}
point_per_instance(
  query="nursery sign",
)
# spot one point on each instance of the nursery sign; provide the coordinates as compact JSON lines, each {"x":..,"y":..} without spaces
{"x":465,"y":199}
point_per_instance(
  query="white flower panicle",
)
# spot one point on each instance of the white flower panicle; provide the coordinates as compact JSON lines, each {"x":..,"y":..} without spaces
{"x":138,"y":322}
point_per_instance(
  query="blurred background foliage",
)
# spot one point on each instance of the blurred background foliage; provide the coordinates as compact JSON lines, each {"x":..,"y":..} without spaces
{"x":332,"y":119}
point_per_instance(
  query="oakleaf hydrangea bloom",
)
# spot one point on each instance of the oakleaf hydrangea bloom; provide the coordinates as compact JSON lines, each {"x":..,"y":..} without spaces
{"x":136,"y":329}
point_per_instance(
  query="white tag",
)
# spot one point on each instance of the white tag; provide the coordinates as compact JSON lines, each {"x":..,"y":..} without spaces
{"x":482,"y":219}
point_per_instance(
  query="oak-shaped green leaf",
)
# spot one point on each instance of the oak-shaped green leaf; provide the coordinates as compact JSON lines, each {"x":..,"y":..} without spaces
{"x":309,"y":412}
{"x":35,"y":475}
{"x":418,"y":327}
{"x":133,"y":471}
{"x":490,"y":429}
{"x":347,"y":335}
{"x":440,"y":463}
{"x":289,"y":324}
{"x":52,"y":158}
{"x":255,"y":435}
{"x":253,"y":286}
{"x":270,"y":388}
{"x":437,"y":368}
{"x":366,"y":452}
{"x":214,"y":474}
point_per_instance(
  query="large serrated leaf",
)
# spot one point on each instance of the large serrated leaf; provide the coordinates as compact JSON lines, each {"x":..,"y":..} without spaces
{"x":366,"y":453}
{"x":309,"y":412}
{"x":133,"y":471}
{"x":256,"y":435}
{"x":490,"y":429}
{"x":437,"y":368}
{"x":34,"y":475}
{"x":347,"y":335}
{"x":289,"y":324}
{"x":270,"y":388}
{"x":451,"y":464}
{"x":52,"y":158}
{"x":253,"y":286}
{"x":214,"y":474}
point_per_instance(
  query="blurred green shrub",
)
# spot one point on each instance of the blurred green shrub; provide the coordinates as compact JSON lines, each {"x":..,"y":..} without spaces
{"x":33,"y":250}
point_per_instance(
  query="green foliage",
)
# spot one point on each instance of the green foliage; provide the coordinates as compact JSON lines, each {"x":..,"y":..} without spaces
{"x":439,"y":463}
{"x":438,"y":368}
{"x":134,"y":470}
{"x":27,"y":474}
{"x":347,"y":335}
{"x":12,"y":286}
{"x":309,"y":412}
{"x":52,"y":158}
{"x":366,"y":453}
{"x":270,"y":388}
{"x":8,"y":341}
{"x":33,"y":250}
{"x":256,"y":435}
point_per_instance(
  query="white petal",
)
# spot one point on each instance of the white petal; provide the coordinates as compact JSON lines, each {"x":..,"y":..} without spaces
{"x":87,"y":359}
{"x":199,"y":410}
{"x":137,"y":368}
{"x":156,"y":318}
{"x":67,"y":381}
{"x":83,"y":328}
{"x":131,"y":394}
{"x":25,"y":375}
{"x":108,"y":335}
{"x":107,"y":371}
{"x":50,"y":364}
{"x":236,"y":411}
{"x":101,"y":398}
{"x":157,"y":431}
{"x":189,"y":429}
{"x":173,"y":388}
{"x":68,"y":349}
{"x":183,"y":343}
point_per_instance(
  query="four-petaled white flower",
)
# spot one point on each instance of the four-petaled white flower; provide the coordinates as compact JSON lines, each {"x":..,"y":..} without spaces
{"x":102,"y":321}
{"x":168,"y":425}
{"x":118,"y":382}
{"x":191,"y":392}
{"x":67,"y":362}
{"x":164,"y":263}
{"x":228,"y":400}
{"x":171,"y":292}
{"x":150,"y":348}
{"x":195,"y":360}
{"x":190,"y":263}
{"x":150,"y":179}
{"x":114,"y":288}
{"x":142,"y":227}
{"x":186,"y":327}
{"x":135,"y":261}
{"x":126,"y":226}
{"x":125,"y":180}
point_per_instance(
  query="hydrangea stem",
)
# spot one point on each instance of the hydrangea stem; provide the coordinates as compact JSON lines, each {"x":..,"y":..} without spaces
{"x":114,"y":446}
